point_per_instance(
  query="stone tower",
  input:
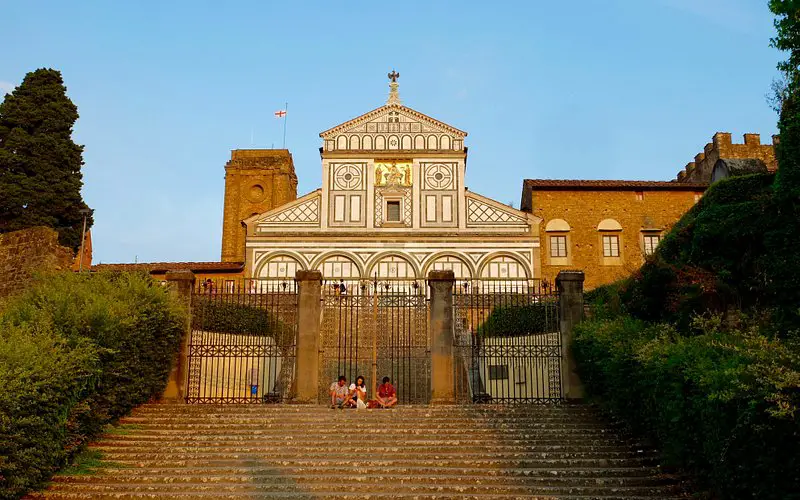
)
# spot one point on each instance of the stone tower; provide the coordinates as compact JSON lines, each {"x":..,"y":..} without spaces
{"x":256,"y":180}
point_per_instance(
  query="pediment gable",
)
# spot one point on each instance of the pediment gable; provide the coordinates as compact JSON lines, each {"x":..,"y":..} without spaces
{"x":393,"y":126}
{"x":302,"y":212}
{"x":483,"y":211}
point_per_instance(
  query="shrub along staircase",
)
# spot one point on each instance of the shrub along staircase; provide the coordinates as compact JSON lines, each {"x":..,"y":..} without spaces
{"x":289,"y":451}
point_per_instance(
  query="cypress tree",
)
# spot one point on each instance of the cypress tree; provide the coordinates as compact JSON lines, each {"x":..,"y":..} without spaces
{"x":40,"y":165}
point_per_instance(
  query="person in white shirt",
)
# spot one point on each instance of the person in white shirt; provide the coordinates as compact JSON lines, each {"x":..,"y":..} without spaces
{"x":340,"y":394}
{"x":358,"y":393}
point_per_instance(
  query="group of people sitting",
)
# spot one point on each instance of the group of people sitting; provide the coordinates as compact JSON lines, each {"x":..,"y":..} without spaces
{"x":355,"y":396}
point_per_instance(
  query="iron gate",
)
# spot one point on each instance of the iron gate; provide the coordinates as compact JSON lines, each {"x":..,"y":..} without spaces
{"x":242,"y":344}
{"x":507,"y":342}
{"x":375,"y":329}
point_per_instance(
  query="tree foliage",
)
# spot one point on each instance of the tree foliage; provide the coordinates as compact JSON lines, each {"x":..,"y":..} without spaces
{"x":40,"y":165}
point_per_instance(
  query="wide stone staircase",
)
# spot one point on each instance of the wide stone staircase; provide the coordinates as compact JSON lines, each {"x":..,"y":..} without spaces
{"x":292,"y":451}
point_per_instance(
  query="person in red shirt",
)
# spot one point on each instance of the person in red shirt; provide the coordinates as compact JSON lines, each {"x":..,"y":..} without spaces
{"x":387,"y":396}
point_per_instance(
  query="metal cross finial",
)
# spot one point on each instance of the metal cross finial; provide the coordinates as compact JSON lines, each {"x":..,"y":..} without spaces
{"x":393,"y":76}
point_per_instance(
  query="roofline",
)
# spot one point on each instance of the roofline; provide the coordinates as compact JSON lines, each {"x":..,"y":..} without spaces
{"x":387,"y":106}
{"x":163,"y":267}
{"x":609,"y":185}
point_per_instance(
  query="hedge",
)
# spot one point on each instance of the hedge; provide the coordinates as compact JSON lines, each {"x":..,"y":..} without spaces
{"x":80,"y":350}
{"x":735,"y":249}
{"x":240,"y":315}
{"x":509,"y":321}
{"x":722,"y":404}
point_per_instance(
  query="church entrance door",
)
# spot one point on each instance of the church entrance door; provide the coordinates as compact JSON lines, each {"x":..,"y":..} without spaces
{"x":376,"y":329}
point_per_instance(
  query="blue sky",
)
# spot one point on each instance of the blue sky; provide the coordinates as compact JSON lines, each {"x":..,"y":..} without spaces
{"x":613,"y":89}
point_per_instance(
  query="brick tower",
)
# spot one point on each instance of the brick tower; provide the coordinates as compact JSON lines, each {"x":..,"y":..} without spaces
{"x":256,"y":180}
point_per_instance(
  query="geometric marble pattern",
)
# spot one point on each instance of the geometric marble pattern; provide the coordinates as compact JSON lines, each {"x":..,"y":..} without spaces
{"x":482,"y":213}
{"x":303,"y":213}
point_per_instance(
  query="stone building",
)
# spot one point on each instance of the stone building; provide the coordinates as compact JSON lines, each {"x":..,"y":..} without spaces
{"x":256,"y":180}
{"x":604,"y":228}
{"x":393,"y":204}
{"x":722,"y":147}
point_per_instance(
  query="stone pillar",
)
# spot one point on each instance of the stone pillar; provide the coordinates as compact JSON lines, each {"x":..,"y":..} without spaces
{"x":308,"y":319}
{"x":441,"y":323}
{"x":181,"y":283}
{"x":570,"y":288}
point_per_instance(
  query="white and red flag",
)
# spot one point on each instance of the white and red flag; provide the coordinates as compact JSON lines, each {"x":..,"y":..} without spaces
{"x":281,"y":113}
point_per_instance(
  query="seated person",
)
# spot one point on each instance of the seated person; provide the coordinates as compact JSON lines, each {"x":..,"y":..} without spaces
{"x":358,"y":392}
{"x":387,"y":396}
{"x":340,"y":393}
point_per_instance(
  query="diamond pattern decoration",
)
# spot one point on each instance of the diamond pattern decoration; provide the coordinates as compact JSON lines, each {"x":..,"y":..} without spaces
{"x":303,"y":213}
{"x":482,"y":213}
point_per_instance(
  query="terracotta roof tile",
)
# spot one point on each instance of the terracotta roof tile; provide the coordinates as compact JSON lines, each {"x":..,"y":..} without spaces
{"x":605,"y":185}
{"x":169,"y":266}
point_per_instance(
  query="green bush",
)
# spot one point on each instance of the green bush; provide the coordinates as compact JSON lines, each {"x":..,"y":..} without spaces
{"x":722,"y":404}
{"x":238,"y":314}
{"x":510,"y":320}
{"x":129,"y":324}
{"x":727,"y":252}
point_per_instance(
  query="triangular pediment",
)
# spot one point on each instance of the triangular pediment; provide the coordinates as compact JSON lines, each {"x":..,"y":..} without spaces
{"x":384,"y":113}
{"x":483,"y":211}
{"x":304,"y":211}
{"x":393,"y":127}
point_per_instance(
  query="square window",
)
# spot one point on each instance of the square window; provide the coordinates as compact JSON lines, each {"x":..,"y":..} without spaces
{"x":651,"y":241}
{"x":558,"y":246}
{"x":393,"y":211}
{"x":610,"y":245}
{"x":639,"y":195}
{"x":498,"y":372}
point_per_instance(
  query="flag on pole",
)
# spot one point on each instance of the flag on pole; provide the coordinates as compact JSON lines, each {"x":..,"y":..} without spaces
{"x":281,"y":113}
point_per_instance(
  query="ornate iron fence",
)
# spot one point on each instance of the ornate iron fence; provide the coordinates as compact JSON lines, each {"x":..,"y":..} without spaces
{"x":243,"y":341}
{"x":507,"y":342}
{"x":375,"y":329}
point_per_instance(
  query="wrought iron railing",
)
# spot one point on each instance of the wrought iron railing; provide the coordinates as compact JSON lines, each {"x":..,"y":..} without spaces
{"x":507,"y":341}
{"x":243,"y":341}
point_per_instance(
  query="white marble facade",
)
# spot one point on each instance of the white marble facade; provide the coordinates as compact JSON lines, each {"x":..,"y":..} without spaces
{"x":393,"y":204}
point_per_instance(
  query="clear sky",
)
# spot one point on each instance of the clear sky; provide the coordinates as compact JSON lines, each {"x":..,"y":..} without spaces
{"x":598,"y":89}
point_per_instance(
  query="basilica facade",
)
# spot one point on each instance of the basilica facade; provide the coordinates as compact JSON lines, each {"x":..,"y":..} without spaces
{"x":393,"y":204}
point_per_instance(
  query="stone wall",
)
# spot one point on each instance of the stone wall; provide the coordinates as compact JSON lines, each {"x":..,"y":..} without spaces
{"x":256,"y":180}
{"x":639,"y":212}
{"x":27,"y":251}
{"x":722,"y":146}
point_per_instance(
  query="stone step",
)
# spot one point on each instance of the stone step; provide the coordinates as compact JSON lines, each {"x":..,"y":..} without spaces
{"x":142,"y":438}
{"x":192,"y":460}
{"x":350,"y":449}
{"x":645,"y":473}
{"x":531,"y":445}
{"x":348,"y":485}
{"x":378,"y":478}
{"x":304,"y":451}
{"x":398,"y":428}
{"x":342,"y":495}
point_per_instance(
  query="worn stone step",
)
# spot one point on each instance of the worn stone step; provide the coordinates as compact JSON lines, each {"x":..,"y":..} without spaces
{"x":350,"y":449}
{"x":532,"y":445}
{"x":149,"y":438}
{"x":377,"y":478}
{"x":644,"y":473}
{"x":154,"y":460}
{"x":341,"y":495}
{"x":400,"y":428}
{"x":421,"y":452}
{"x":348,"y":485}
